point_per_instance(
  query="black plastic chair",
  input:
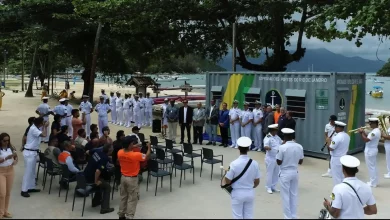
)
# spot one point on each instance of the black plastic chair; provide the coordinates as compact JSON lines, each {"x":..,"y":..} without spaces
{"x":51,"y":171}
{"x":83,"y":189}
{"x":154,"y":142}
{"x":169,"y":147}
{"x":81,"y":157}
{"x":154,"y":171}
{"x":41,"y":163}
{"x":161,"y":158}
{"x":189,"y":152}
{"x":180,"y":165}
{"x":66,"y":178}
{"x":209,"y":158}
{"x":141,"y":137}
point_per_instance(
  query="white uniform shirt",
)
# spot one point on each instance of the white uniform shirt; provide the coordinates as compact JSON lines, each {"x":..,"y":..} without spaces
{"x":234,"y":113}
{"x":387,"y":142}
{"x":119,"y":103}
{"x":149,"y":104}
{"x":69,"y":109}
{"x":257,"y":115}
{"x":105,"y":97}
{"x":137,"y":106}
{"x":339,"y":144}
{"x":247,"y":180}
{"x":60,"y":110}
{"x":142,"y":103}
{"x":211,"y":110}
{"x":290,"y":153}
{"x":131,"y":103}
{"x":374,"y":136}
{"x":33,"y":138}
{"x":126,"y":104}
{"x":44,"y":108}
{"x":113,"y":102}
{"x":3,"y":155}
{"x":329,"y":129}
{"x":273,"y":142}
{"x":164,"y":109}
{"x":185,"y":114}
{"x":246,"y":115}
{"x":102,"y":109}
{"x":86,"y":107}
{"x":345,"y":199}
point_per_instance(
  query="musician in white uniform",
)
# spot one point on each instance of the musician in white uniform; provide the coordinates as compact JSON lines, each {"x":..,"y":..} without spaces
{"x":234,"y":119}
{"x":243,"y":194}
{"x":329,"y":132}
{"x":387,"y":149}
{"x":257,"y":133}
{"x":126,"y":111}
{"x":271,"y":144}
{"x":338,"y":148}
{"x":142,"y":107}
{"x":86,"y":107}
{"x":113,"y":108}
{"x":69,"y":109}
{"x":119,"y":109}
{"x":104,"y":95}
{"x":102,"y":109}
{"x":352,"y":199}
{"x":246,"y":120}
{"x":61,"y":110}
{"x":44,"y":111}
{"x":137,"y":112}
{"x":148,"y":110}
{"x":371,"y":150}
{"x":131,"y":112}
{"x":289,"y":156}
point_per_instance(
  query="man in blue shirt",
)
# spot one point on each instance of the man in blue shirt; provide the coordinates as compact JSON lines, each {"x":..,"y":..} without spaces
{"x":172,"y":113}
{"x":224,"y":125}
{"x":97,"y":173}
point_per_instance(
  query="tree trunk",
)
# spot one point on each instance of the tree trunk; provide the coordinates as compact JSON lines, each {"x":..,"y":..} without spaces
{"x":29,"y":92}
{"x":94,"y":60}
{"x":23,"y":60}
{"x":86,"y":78}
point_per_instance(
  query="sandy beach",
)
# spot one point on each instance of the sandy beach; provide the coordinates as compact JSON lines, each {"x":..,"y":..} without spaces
{"x":204,"y":199}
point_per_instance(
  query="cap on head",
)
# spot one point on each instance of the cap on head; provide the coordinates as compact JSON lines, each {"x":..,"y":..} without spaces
{"x":117,"y":92}
{"x":333,"y":118}
{"x":244,"y":142}
{"x":86,"y":96}
{"x":246,"y":103}
{"x":66,"y":99}
{"x":258,"y":102}
{"x":340,"y":124}
{"x":135,"y":128}
{"x":128,"y":140}
{"x":373,"y":119}
{"x":101,"y":97}
{"x":166,"y":100}
{"x":287,"y":131}
{"x":62,"y":100}
{"x":273,"y":126}
{"x":235,"y":102}
{"x":45,"y":98}
{"x":349,"y":161}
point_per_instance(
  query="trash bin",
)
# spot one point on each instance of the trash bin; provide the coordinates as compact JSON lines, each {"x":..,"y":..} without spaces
{"x":2,"y":84}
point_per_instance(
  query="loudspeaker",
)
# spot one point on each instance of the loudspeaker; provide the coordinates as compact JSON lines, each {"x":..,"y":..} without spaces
{"x":156,"y":127}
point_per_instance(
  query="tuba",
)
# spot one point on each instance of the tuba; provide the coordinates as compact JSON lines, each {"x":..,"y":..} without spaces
{"x":382,"y":124}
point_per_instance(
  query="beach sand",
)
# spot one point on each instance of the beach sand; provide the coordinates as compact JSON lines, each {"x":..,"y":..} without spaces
{"x":204,"y":199}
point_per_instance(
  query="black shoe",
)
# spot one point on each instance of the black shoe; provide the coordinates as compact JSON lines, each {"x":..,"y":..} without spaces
{"x":122,"y":217}
{"x":214,"y":144}
{"x":194,"y":143}
{"x":221,"y":145}
{"x":225,"y":145}
{"x":34,"y":190}
{"x":200,"y":143}
{"x":96,"y":204}
{"x":25,"y":194}
{"x":181,"y":142}
{"x":105,"y":211}
{"x":209,"y":143}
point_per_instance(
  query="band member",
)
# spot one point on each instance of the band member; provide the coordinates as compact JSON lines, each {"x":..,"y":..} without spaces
{"x":69,"y":117}
{"x":44,"y":111}
{"x":113,"y":108}
{"x":119,"y":109}
{"x":148,"y":110}
{"x":126,"y":111}
{"x":289,"y":156}
{"x":137,"y":111}
{"x":86,"y":107}
{"x":257,"y":132}
{"x":246,"y":119}
{"x":386,"y":136}
{"x":271,"y":144}
{"x":371,"y":150}
{"x":352,"y":199}
{"x":102,"y":109}
{"x":243,"y":194}
{"x":329,"y":132}
{"x":142,"y":107}
{"x":61,"y":110}
{"x":234,"y":115}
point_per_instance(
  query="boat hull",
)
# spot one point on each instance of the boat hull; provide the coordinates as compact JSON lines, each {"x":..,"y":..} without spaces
{"x":160,"y":100}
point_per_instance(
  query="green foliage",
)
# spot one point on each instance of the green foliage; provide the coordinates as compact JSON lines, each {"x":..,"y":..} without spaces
{"x":385,"y":71}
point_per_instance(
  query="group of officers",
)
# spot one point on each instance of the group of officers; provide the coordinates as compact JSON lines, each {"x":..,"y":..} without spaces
{"x":351,"y":198}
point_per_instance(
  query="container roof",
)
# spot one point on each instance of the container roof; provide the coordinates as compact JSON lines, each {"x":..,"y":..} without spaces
{"x":140,"y":81}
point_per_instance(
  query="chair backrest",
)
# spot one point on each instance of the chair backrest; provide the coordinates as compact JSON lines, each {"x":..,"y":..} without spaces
{"x":160,"y":154}
{"x":49,"y":165}
{"x":187,"y":148}
{"x":178,"y":159}
{"x":153,"y":166}
{"x":80,"y":153}
{"x":65,"y":171}
{"x":208,"y":154}
{"x":153,"y":140}
{"x":81,"y":181}
{"x":42,"y":157}
{"x":141,"y":137}
{"x":168,"y":144}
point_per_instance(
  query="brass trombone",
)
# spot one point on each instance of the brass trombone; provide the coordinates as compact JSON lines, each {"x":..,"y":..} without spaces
{"x":357,"y":129}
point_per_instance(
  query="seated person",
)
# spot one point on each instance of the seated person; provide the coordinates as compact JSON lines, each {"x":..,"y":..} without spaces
{"x":94,"y":129}
{"x":62,"y":136}
{"x":117,"y":145}
{"x":97,"y":173}
{"x":81,"y":139}
{"x":66,"y":159}
{"x":135,"y":131}
{"x":93,"y":143}
{"x":52,"y":152}
{"x":105,"y":139}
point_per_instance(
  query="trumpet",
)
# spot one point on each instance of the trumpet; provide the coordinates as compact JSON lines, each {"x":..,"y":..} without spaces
{"x":357,"y":129}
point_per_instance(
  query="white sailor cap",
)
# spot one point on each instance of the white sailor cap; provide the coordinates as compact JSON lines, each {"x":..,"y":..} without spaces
{"x":45,"y":98}
{"x":244,"y":142}
{"x":273,"y":126}
{"x":140,"y":93}
{"x":166,"y":99}
{"x":246,"y":103}
{"x":349,"y":161}
{"x":235,"y":101}
{"x":341,"y":124}
{"x":258,"y":102}
{"x":117,"y":92}
{"x":287,"y":131}
{"x":85,"y":96}
{"x":101,"y":97}
{"x":62,"y":100}
{"x":373,"y":119}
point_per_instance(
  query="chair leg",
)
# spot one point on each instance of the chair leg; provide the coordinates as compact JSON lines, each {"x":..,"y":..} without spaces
{"x":113,"y":189}
{"x":193,"y":175}
{"x":175,"y":172}
{"x":44,"y":180}
{"x":155,"y":192}
{"x":67,"y":190}
{"x":36,"y":179}
{"x":44,"y":173}
{"x":221,"y":169}
{"x":181,"y":176}
{"x":162,"y":180}
{"x":212,"y":169}
{"x":147,"y":181}
{"x":51,"y":181}
{"x":74,"y":198}
{"x":59,"y":191}
{"x":82,"y":213}
{"x":201,"y":167}
{"x":170,"y":181}
{"x":184,"y":174}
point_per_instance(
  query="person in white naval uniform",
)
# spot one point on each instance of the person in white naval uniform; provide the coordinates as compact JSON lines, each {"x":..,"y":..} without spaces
{"x":164,"y":120}
{"x":338,"y":148}
{"x":61,"y":110}
{"x":371,"y":150}
{"x":69,"y":109}
{"x":234,"y":119}
{"x":102,"y":109}
{"x":119,"y":109}
{"x":104,"y":95}
{"x":329,"y":132}
{"x":113,"y":108}
{"x":257,"y":132}
{"x":131,"y":112}
{"x":126,"y":111}
{"x":246,"y":119}
{"x":148,"y":110}
{"x":142,"y":107}
{"x":86,"y":107}
{"x":289,"y":156}
{"x":271,"y":144}
{"x":44,"y":111}
{"x":243,"y":194}
{"x":352,"y":199}
{"x":137,"y":112}
{"x":386,"y":136}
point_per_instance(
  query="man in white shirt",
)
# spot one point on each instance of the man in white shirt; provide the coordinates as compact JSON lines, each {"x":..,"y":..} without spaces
{"x":102,"y":109}
{"x":119,"y":109}
{"x":61,"y":110}
{"x":142,"y":107}
{"x":86,"y":107}
{"x":246,"y":120}
{"x":164,"y":119}
{"x":386,"y":136}
{"x":30,"y":153}
{"x":148,"y":110}
{"x":44,"y":111}
{"x":234,"y":119}
{"x":126,"y":111}
{"x":352,"y":199}
{"x":113,"y":107}
{"x":69,"y":109}
{"x":257,"y":132}
{"x":371,"y":150}
{"x":329,"y":132}
{"x":271,"y":144}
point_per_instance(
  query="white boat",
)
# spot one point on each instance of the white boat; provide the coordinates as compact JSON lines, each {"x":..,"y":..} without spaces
{"x":182,"y":78}
{"x":377,"y":81}
{"x":163,"y":79}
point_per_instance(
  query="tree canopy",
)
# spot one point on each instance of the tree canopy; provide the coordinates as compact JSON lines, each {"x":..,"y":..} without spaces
{"x":385,"y":71}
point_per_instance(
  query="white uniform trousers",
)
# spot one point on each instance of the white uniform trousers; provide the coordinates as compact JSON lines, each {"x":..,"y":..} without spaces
{"x":149,"y":117}
{"x":46,"y":139}
{"x":143,"y":116}
{"x":288,"y":181}
{"x":119,"y":116}
{"x":63,"y":121}
{"x":87,"y":125}
{"x":235,"y":132}
{"x":30,"y":162}
{"x":337,"y":170}
{"x":257,"y":135}
{"x":70,"y":127}
{"x":172,"y":130}
{"x":113,"y":115}
{"x":370,"y":156}
{"x":137,"y":119}
{"x":272,"y":172}
{"x":242,"y":203}
{"x":126,"y":117}
{"x":247,"y":131}
{"x":103,"y":122}
{"x":387,"y":148}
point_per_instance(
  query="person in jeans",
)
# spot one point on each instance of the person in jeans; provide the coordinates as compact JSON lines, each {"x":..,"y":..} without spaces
{"x":198,"y":119}
{"x":130,"y":167}
{"x":212,"y":114}
{"x":172,"y":114}
{"x":185,"y":121}
{"x":224,"y":124}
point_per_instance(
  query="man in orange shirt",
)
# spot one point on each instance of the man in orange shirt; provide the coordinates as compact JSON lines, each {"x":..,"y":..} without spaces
{"x":130,"y":167}
{"x":276,"y":113}
{"x":77,"y":124}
